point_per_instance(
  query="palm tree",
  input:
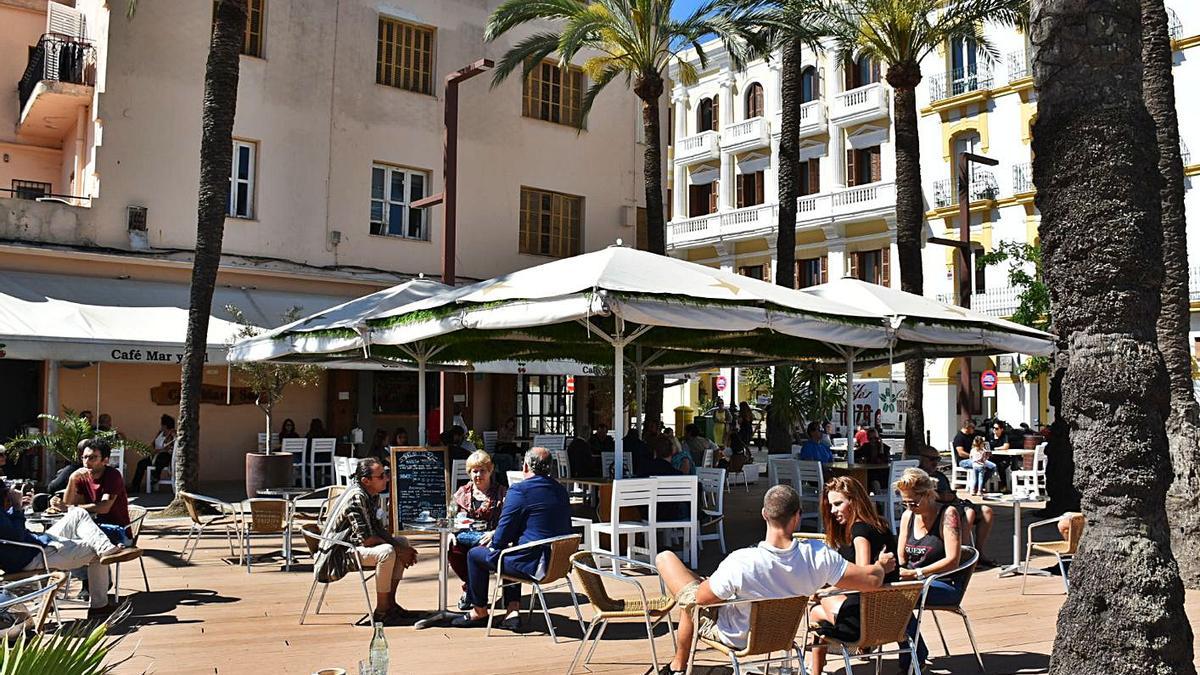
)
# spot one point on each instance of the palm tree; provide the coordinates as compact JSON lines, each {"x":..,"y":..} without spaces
{"x":1102,"y":245}
{"x":1183,"y":424}
{"x":899,"y":34}
{"x":632,"y":39}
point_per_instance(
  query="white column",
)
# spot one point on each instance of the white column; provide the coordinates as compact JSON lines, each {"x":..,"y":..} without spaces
{"x":726,"y":103}
{"x":728,"y":189}
{"x":837,"y":260}
{"x":679,"y":98}
{"x":837,"y":135}
{"x":775,"y":118}
{"x":53,"y":408}
{"x":775,"y":90}
{"x":619,"y":408}
{"x":679,"y":189}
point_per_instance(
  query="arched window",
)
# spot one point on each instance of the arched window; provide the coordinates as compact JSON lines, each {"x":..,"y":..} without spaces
{"x":754,"y":101}
{"x":861,"y":71}
{"x":808,"y":85}
{"x":706,"y":115}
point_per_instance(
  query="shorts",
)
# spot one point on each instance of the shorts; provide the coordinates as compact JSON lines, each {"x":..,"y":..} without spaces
{"x":706,"y":620}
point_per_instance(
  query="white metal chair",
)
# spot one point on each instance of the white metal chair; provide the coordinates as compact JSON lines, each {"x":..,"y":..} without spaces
{"x":781,"y":469}
{"x":558,"y":568}
{"x":887,"y":498}
{"x":1031,"y":481}
{"x":298,"y":447}
{"x":228,"y":516}
{"x":562,"y":462}
{"x":165,"y":477}
{"x":968,"y":557}
{"x":489,"y":441}
{"x":117,"y":458}
{"x":458,"y":473}
{"x":712,"y":504}
{"x":137,"y":516}
{"x":810,"y":483}
{"x":608,"y":458}
{"x":961,"y":478}
{"x":549,"y":441}
{"x":707,"y":461}
{"x":627,"y":493}
{"x":680,"y":490}
{"x":343,"y":470}
{"x":262,"y":441}
{"x":317,"y":541}
{"x":320,"y":460}
{"x":514,"y":477}
{"x":1063,"y":550}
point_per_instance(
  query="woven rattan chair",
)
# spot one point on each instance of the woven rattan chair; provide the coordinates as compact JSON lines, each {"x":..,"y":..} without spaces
{"x":137,"y":515}
{"x":1063,"y":550}
{"x":966,"y":568}
{"x":40,"y":588}
{"x":605,"y":608}
{"x":36,"y":576}
{"x":884,"y":614}
{"x":266,"y":516}
{"x":774,"y":623}
{"x":314,"y":539}
{"x":558,"y":569}
{"x":228,"y":517}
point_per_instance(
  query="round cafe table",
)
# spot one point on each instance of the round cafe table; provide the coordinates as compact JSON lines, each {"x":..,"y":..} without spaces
{"x":1018,"y":567}
{"x":291,"y":494}
{"x":444,"y":531}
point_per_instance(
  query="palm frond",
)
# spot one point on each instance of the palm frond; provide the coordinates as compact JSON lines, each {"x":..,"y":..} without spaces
{"x":525,"y":55}
{"x":513,"y":13}
{"x":597,"y":84}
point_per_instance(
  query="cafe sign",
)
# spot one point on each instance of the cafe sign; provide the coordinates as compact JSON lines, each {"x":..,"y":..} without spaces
{"x":167,"y":393}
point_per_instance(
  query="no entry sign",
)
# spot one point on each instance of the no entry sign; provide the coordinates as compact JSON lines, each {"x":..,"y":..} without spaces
{"x":987,"y":380}
{"x":722,"y":383}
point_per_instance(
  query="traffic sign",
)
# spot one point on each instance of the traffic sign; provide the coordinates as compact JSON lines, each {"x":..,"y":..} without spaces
{"x":722,"y":383}
{"x":987,"y":380}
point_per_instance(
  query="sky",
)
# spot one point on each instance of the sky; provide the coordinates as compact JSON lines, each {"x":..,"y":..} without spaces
{"x":683,"y":8}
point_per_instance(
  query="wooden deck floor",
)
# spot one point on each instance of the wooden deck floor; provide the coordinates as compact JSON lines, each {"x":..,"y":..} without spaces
{"x":212,"y":617}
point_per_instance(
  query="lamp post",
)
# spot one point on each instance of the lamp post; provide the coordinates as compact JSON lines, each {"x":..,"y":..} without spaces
{"x":448,"y":196}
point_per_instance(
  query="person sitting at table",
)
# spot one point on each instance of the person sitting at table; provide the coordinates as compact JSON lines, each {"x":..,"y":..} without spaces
{"x":354,"y":519}
{"x":536,"y":508}
{"x":976,"y":518}
{"x":506,"y":437}
{"x":379,"y":445}
{"x":163,"y":445}
{"x":400,"y":437}
{"x":583,"y":461}
{"x":600,"y":440}
{"x":639,"y":451}
{"x":779,"y":567}
{"x":978,"y":462}
{"x":681,"y":457}
{"x":859,"y":534}
{"x":813,"y":450}
{"x":99,"y":489}
{"x":63,"y":477}
{"x":930,"y":540}
{"x":874,"y":451}
{"x":316,"y":429}
{"x":480,"y":499}
{"x":827,"y":434}
{"x":456,"y":441}
{"x":696,"y":445}
{"x":963,"y":441}
{"x":860,"y":434}
{"x":999,"y":442}
{"x":288,"y":429}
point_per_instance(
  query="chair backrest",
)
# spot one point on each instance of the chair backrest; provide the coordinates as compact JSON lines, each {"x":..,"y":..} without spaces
{"x":562,"y":462}
{"x":708,"y":457}
{"x":1039,"y":457}
{"x":267,"y":514}
{"x":783,"y":468}
{"x":773,"y":624}
{"x":810,"y":478}
{"x":712,"y":489}
{"x":117,"y":458}
{"x":631,"y":492}
{"x":514,"y":477}
{"x":262,"y":441}
{"x":1074,"y":531}
{"x":137,"y":515}
{"x":549,"y":441}
{"x":884,"y":613}
{"x":296,"y":446}
{"x":489,"y":441}
{"x":323,"y":445}
{"x":677,"y":489}
{"x":559,"y":564}
{"x":585,"y":568}
{"x":189,"y":503}
{"x":608,"y":458}
{"x":343,"y":470}
{"x":458,"y":473}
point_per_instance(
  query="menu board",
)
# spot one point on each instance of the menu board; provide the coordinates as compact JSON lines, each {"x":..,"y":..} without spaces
{"x":420,"y":484}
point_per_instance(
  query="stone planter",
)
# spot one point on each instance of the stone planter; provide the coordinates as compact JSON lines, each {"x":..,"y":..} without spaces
{"x":267,"y":471}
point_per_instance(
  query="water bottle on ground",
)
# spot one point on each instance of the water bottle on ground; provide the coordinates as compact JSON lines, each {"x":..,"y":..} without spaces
{"x":379,"y":650}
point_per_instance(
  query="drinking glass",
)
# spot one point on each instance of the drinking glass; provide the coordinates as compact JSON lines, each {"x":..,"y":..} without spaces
{"x":365,"y":668}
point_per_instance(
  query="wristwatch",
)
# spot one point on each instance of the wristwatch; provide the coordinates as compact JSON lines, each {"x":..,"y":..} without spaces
{"x":920,"y":574}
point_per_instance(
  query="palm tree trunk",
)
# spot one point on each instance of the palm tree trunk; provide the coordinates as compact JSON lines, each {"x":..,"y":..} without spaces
{"x":216,"y":160}
{"x":779,"y":438}
{"x":1102,"y":242}
{"x":649,"y":89}
{"x":1183,"y":423}
{"x":910,"y":221}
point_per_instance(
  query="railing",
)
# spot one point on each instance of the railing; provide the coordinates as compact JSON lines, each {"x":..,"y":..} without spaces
{"x":749,"y":218}
{"x":1194,"y":284}
{"x":751,"y":130}
{"x":1022,"y":175}
{"x":1184,"y":153}
{"x":1174,"y":25}
{"x":983,"y":186}
{"x":993,"y":302}
{"x":871,"y":98}
{"x":1018,"y":65}
{"x":703,"y":143}
{"x":33,"y":193}
{"x":958,"y":81}
{"x":57,"y":58}
{"x":699,"y":227}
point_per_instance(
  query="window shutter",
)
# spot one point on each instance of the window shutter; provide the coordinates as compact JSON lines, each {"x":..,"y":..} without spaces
{"x":824,"y":269}
{"x":713,"y":191}
{"x":741,"y":190}
{"x":854,"y":264}
{"x":716,"y":112}
{"x":814,"y":176}
{"x":876,"y":164}
{"x":885,"y":267}
{"x":759,"y":188}
{"x":669,"y":207}
{"x":766,"y":272}
{"x":875,"y":75}
{"x":64,"y":20}
{"x":796,"y":277}
{"x":851,"y":173}
{"x":849,"y":68}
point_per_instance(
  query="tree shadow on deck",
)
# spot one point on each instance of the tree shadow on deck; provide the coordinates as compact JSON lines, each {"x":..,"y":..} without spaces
{"x":158,"y":607}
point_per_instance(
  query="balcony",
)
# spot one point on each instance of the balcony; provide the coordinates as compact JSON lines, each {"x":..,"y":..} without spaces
{"x":1019,"y":65}
{"x":58,"y":79}
{"x":1022,"y":176}
{"x":957,"y":82}
{"x":848,"y":204}
{"x":1000,"y":302}
{"x":702,"y":147}
{"x":1174,"y":25}
{"x":983,"y":187}
{"x":733,"y":224}
{"x":860,"y":105}
{"x":813,"y":121}
{"x":752,"y":134}
{"x":30,"y":216}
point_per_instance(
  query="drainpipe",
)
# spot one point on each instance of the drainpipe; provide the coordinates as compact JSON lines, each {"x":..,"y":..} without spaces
{"x":81,"y":117}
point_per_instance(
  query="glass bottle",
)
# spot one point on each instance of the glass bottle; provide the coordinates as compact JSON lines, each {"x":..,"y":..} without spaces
{"x":379,"y":650}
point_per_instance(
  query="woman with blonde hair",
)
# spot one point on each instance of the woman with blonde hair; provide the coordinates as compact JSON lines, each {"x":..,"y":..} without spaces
{"x":930,"y":544}
{"x":480,"y":499}
{"x":859,"y":534}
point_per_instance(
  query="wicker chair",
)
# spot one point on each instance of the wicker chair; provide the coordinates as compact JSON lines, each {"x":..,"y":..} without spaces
{"x":228,"y":517}
{"x":1063,"y":550}
{"x":26,"y":577}
{"x":40,"y":587}
{"x":774,"y":623}
{"x":266,"y":516}
{"x":605,"y":608}
{"x":884,"y":614}
{"x":315,"y":540}
{"x":137,"y":515}
{"x":966,"y":568}
{"x":557,"y":569}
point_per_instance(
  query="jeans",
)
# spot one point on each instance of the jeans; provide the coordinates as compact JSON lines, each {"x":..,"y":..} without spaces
{"x":982,"y":473}
{"x":941,"y":592}
{"x":479,"y":571}
{"x":76,"y":541}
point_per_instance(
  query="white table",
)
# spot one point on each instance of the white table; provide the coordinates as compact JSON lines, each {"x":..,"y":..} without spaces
{"x":1018,"y":567}
{"x":444,"y":532}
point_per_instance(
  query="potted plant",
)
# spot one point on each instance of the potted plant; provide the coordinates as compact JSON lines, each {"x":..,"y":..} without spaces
{"x":269,"y":381}
{"x":64,"y":434}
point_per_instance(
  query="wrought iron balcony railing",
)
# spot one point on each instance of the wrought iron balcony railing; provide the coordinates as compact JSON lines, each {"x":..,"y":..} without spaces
{"x":58,"y":58}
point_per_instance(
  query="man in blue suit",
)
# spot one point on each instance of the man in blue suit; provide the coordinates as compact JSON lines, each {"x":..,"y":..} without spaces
{"x":536,"y":508}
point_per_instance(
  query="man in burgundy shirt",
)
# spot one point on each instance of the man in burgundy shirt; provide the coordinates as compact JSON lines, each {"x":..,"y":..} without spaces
{"x":100,"y":490}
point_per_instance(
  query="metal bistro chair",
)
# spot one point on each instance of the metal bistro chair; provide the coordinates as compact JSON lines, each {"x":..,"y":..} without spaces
{"x":137,"y":515}
{"x":605,"y":608}
{"x":458,"y":473}
{"x":321,"y":452}
{"x":228,"y":516}
{"x":37,"y":575}
{"x":1063,"y":550}
{"x":558,"y":568}
{"x":315,"y":541}
{"x":298,"y":447}
{"x":810,"y":483}
{"x":343,"y":470}
{"x":117,"y":458}
{"x":44,"y":586}
{"x":679,"y":490}
{"x":774,"y":623}
{"x":712,"y":504}
{"x":884,"y":614}
{"x":629,"y":492}
{"x":967,"y":560}
{"x":266,"y":515}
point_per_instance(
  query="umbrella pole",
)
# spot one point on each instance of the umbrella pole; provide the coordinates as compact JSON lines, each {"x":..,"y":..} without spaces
{"x":639,"y":375}
{"x":850,"y":407}
{"x":618,"y":407}
{"x":421,"y":414}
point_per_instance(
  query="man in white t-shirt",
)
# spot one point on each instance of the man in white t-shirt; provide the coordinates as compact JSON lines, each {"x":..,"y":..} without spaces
{"x":778,"y":567}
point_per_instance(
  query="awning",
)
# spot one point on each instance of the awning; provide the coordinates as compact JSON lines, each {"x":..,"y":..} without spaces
{"x":77,"y":318}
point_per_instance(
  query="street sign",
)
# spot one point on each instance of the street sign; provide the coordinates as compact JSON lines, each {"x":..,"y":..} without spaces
{"x":987,"y":380}
{"x":722,"y":383}
{"x":570,"y":384}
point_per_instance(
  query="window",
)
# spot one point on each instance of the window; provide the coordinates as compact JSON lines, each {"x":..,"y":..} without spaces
{"x":872,"y":266}
{"x":551,"y":223}
{"x":702,"y":199}
{"x":404,"y":56}
{"x":750,"y":189}
{"x":706,"y":114}
{"x":392,"y":190}
{"x":812,"y":271}
{"x":808,"y":85}
{"x":980,"y":270}
{"x":810,"y":177}
{"x":241,"y":180}
{"x":252,"y":44}
{"x":963,"y":60}
{"x":861,"y":72}
{"x":863,"y":166}
{"x":554,"y":94}
{"x":30,"y":189}
{"x":754,"y":101}
{"x":545,"y":405}
{"x":754,"y":271}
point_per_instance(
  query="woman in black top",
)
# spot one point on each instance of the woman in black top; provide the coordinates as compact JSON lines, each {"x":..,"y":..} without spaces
{"x":860,"y":534}
{"x":930,"y":531}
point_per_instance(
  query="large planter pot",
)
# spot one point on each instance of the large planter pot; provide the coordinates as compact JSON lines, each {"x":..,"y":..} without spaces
{"x":267,"y":471}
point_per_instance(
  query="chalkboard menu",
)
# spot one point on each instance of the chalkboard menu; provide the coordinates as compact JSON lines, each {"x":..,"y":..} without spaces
{"x":420,"y":480}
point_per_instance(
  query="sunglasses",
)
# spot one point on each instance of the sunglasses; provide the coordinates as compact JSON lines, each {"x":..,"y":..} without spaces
{"x":912,"y":504}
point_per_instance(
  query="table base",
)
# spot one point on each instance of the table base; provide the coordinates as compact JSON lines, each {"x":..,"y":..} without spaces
{"x":1022,"y":568}
{"x":438,"y":618}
